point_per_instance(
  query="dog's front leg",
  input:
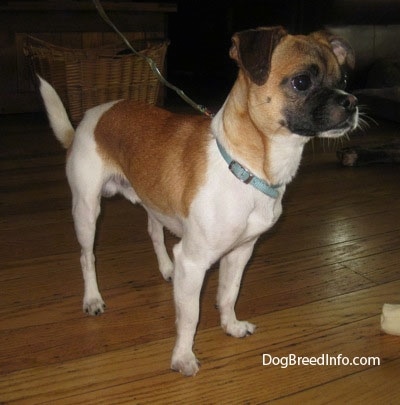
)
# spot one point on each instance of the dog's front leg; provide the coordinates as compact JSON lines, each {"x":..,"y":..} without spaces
{"x":190,"y":269}
{"x":230,"y":274}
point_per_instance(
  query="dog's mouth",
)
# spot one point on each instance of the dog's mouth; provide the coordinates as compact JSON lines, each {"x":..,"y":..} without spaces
{"x":348,"y":125}
{"x":326,"y":113}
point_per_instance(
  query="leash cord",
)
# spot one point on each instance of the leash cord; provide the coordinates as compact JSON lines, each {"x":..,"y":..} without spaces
{"x":151,"y":63}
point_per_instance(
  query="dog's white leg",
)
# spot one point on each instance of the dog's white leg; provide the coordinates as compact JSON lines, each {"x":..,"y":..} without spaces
{"x":189,"y":272}
{"x":156,"y":233}
{"x":230,"y":274}
{"x":85,"y":213}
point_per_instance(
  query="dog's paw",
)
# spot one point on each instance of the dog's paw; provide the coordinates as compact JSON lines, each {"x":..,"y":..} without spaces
{"x":187,"y":364}
{"x":94,"y":306}
{"x":240,"y":329}
{"x":167,"y":272}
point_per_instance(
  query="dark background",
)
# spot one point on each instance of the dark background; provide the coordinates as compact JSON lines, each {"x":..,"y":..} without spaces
{"x":201,"y":31}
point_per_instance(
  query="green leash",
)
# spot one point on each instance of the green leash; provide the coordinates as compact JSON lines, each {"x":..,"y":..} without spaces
{"x":151,"y":63}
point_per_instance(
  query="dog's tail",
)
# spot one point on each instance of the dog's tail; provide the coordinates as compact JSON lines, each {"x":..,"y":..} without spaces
{"x":59,"y":121}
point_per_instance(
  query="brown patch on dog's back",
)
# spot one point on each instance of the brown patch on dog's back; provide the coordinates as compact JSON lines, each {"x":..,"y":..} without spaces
{"x":162,"y":154}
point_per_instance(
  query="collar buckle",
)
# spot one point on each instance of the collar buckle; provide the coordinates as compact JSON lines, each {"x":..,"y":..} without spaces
{"x":240,"y":172}
{"x":247,"y":177}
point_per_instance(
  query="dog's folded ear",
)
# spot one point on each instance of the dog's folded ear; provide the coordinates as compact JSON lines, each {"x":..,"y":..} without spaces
{"x":252,"y":50}
{"x":340,"y":47}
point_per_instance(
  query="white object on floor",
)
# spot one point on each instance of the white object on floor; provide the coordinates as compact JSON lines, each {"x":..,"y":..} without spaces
{"x":390,"y":319}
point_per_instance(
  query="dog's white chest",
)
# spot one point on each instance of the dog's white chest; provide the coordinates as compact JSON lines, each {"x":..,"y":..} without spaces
{"x":226,"y":212}
{"x":285,"y":157}
{"x":264,"y":215}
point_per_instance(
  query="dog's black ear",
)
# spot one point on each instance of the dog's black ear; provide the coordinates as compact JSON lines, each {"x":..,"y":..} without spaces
{"x":340,"y":47}
{"x":252,"y":50}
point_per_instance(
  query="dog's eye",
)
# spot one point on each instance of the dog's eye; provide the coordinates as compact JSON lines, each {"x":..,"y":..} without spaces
{"x":301,"y":83}
{"x":343,"y":82}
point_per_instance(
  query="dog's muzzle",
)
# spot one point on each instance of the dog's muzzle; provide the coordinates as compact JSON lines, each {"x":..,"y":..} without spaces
{"x":349,"y":102}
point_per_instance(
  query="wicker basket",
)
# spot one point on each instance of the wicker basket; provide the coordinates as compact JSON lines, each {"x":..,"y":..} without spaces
{"x":84,"y":78}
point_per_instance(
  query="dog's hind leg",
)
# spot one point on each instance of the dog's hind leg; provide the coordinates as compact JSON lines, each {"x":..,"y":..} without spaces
{"x":230,"y":274}
{"x":156,"y":232}
{"x":85,"y":213}
{"x":154,"y":227}
{"x":86,"y":181}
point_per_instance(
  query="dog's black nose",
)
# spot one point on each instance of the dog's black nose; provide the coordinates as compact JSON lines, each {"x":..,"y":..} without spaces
{"x":348,"y":102}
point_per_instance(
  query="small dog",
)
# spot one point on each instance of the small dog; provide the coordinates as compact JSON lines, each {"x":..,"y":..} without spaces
{"x":217,"y":184}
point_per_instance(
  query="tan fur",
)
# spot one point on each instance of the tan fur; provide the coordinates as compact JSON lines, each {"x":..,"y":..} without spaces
{"x":297,"y":51}
{"x":246,"y":140}
{"x":253,"y":113}
{"x":162,"y":154}
{"x":137,"y":137}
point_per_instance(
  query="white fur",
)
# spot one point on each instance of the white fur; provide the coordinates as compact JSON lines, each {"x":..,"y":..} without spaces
{"x":226,"y":217}
{"x":58,"y":117}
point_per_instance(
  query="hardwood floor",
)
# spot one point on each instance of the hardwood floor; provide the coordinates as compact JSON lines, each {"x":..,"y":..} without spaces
{"x":315,"y":285}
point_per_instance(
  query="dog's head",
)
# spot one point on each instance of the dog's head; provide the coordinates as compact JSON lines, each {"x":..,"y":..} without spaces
{"x":296,"y":83}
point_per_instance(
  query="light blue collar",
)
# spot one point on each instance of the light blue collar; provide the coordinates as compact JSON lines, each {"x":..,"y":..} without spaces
{"x":246,"y":176}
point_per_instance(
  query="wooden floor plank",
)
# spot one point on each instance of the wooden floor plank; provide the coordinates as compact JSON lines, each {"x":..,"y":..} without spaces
{"x":320,"y":328}
{"x":354,"y":388}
